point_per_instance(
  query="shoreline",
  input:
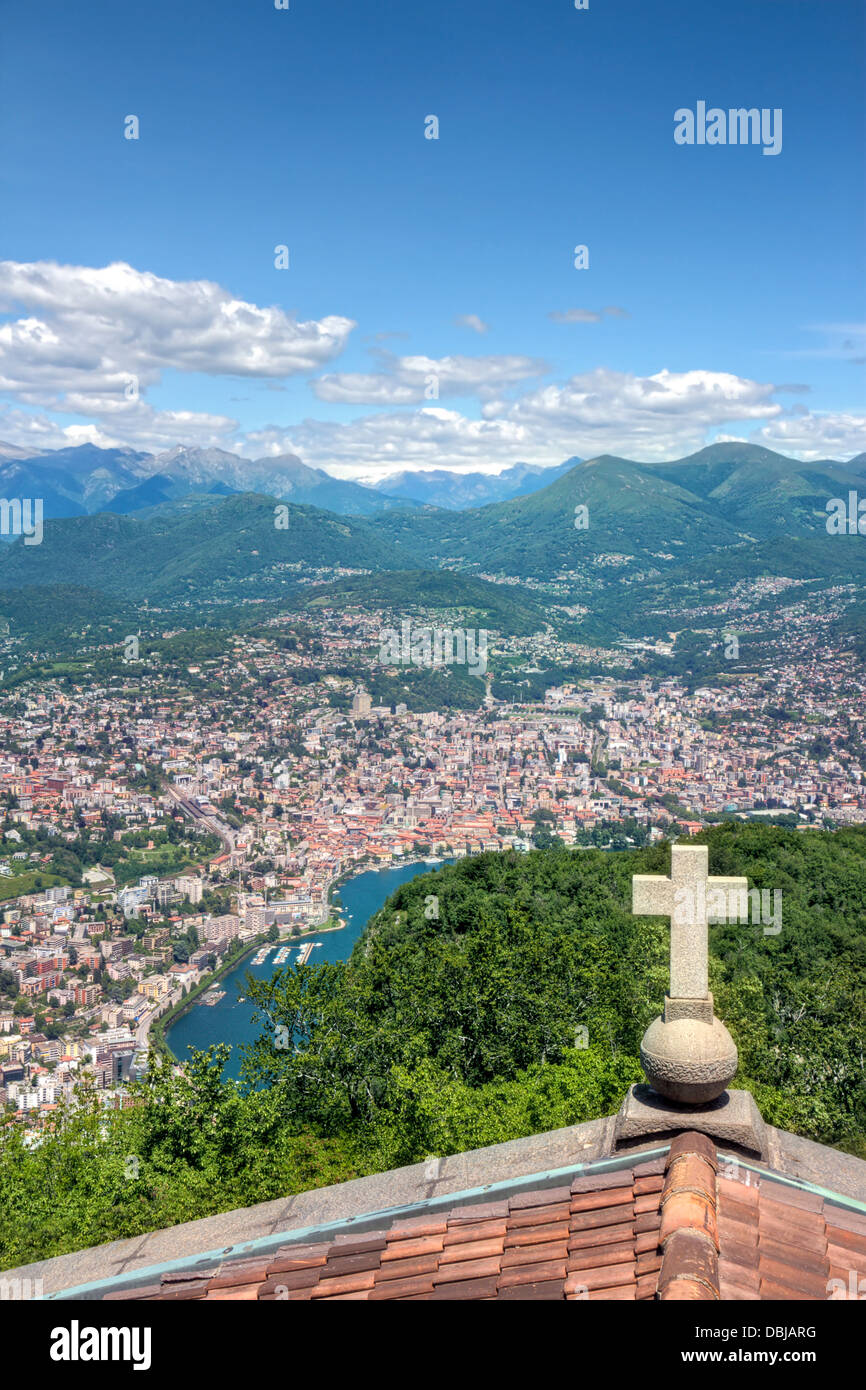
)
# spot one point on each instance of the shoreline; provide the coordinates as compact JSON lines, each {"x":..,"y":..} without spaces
{"x":194,"y":996}
{"x":183,"y":1005}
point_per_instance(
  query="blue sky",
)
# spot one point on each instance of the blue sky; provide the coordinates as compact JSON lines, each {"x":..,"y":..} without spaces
{"x":725,"y":290}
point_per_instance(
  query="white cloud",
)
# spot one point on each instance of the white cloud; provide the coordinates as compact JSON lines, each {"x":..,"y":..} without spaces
{"x":83,"y":334}
{"x":90,"y":336}
{"x":412,"y":380}
{"x":662,"y":416}
{"x":815,"y":436}
{"x":136,"y":426}
{"x":472,"y":321}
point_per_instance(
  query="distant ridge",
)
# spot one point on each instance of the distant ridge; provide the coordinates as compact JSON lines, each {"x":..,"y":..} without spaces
{"x":745,"y":487}
{"x":441,"y":488}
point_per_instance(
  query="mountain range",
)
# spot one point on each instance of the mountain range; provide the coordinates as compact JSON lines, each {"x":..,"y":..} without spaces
{"x":231,"y":548}
{"x":691,"y":526}
{"x":454,"y":491}
{"x":641,"y":516}
{"x":86,"y":479}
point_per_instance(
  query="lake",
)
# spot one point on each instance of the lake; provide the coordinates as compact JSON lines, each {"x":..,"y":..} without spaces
{"x":230,"y":1021}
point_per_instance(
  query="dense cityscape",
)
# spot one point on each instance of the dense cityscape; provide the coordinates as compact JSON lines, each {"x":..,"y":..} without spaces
{"x":151,"y":835}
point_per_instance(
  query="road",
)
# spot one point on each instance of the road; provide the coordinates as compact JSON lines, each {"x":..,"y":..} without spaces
{"x":142,"y":1027}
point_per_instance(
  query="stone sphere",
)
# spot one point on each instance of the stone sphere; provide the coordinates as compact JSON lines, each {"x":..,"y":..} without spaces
{"x":688,"y":1060}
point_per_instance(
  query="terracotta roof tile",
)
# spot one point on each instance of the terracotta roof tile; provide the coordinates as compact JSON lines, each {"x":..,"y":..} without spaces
{"x":467,"y":1269}
{"x":533,"y":1273}
{"x":351,"y":1264}
{"x":645,"y":1231}
{"x":283,"y":1262}
{"x":781,"y":1195}
{"x":647,"y":1221}
{"x":842,"y":1220}
{"x":646,"y":1241}
{"x":240,"y":1293}
{"x":188,"y":1288}
{"x":851,"y":1259}
{"x":536,"y":1235}
{"x":548,"y":1289}
{"x":689,"y":1143}
{"x":690,"y":1267}
{"x":480,"y":1249}
{"x":602,"y":1182}
{"x":648,"y":1202}
{"x":733,"y":1293}
{"x":597,"y":1256}
{"x":474,"y":1230}
{"x":601,"y":1277}
{"x":739,"y":1255}
{"x":545,"y":1197}
{"x":646,"y":1286}
{"x":808,"y":1245}
{"x":538,"y":1216}
{"x":416,"y":1228}
{"x":468,"y":1288}
{"x":603,"y":1216}
{"x":358,"y":1245}
{"x":397,"y":1249}
{"x":292,"y":1279}
{"x":644,"y":1185}
{"x":599,"y":1236}
{"x":281,"y":1296}
{"x":739,"y":1192}
{"x":239,"y":1272}
{"x":400,"y":1288}
{"x":603,"y":1201}
{"x":689,"y":1233}
{"x":344,"y":1283}
{"x":811,"y":1282}
{"x":408,"y":1268}
{"x":783,"y":1292}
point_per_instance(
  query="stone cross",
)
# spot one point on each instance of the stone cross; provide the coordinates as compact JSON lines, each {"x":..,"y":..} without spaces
{"x":691,"y":898}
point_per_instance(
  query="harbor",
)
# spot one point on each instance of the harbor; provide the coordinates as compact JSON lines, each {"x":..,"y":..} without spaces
{"x":360,"y":897}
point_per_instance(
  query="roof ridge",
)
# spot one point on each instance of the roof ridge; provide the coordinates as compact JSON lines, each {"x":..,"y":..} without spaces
{"x":689,"y":1233}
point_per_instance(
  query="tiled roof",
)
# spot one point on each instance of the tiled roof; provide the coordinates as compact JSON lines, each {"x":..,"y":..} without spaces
{"x":670,"y":1228}
{"x":779,"y":1242}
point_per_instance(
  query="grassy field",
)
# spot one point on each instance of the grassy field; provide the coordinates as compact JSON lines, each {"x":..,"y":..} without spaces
{"x":28,"y":882}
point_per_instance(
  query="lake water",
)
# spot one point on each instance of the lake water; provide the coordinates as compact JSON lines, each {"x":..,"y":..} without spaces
{"x":231,"y":1021}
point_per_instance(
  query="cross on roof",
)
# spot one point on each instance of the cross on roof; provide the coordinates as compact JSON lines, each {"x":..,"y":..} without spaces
{"x":692,"y":899}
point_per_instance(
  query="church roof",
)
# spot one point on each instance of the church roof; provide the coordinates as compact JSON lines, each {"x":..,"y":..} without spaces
{"x":689,"y":1223}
